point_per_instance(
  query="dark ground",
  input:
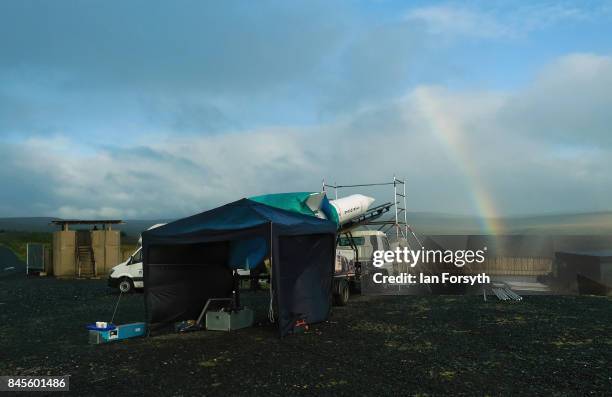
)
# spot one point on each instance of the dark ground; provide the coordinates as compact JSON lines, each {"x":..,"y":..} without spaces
{"x":436,"y":345}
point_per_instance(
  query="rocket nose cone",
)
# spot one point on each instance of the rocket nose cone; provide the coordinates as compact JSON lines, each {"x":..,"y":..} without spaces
{"x":367,"y":200}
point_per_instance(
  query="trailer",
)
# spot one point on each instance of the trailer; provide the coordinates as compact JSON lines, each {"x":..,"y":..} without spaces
{"x":354,"y":247}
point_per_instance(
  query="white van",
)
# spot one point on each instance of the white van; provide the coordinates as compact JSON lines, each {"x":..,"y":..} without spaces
{"x":128,"y":275}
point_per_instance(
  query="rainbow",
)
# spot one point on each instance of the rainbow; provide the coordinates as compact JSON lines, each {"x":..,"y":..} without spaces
{"x":449,"y":134}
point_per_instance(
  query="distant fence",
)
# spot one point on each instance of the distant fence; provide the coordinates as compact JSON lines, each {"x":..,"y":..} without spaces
{"x":512,"y":266}
{"x":37,"y":257}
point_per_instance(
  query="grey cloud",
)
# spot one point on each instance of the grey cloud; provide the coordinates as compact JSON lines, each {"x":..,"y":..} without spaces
{"x":568,"y":103}
{"x":432,"y":136}
{"x":219,"y":47}
{"x":194,"y":67}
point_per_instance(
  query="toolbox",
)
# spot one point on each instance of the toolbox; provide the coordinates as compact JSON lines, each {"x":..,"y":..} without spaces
{"x":229,"y":320}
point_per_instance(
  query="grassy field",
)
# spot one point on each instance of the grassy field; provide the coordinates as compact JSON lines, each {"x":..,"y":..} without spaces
{"x":17,"y":241}
{"x":408,"y":345}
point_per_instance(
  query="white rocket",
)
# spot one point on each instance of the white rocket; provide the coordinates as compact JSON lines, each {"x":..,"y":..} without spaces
{"x":345,"y":208}
{"x":350,"y":207}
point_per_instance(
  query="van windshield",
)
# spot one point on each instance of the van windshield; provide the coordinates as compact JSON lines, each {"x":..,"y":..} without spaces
{"x":137,"y":256}
{"x":346,"y":242}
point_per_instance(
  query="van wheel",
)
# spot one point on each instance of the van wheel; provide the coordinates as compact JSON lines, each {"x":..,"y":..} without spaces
{"x":343,"y":294}
{"x":126,"y":285}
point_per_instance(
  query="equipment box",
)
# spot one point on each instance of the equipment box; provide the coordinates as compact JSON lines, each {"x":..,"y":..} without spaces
{"x":118,"y":333}
{"x":229,"y":320}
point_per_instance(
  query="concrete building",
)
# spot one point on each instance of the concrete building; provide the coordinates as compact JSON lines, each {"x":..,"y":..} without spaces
{"x":89,"y":252}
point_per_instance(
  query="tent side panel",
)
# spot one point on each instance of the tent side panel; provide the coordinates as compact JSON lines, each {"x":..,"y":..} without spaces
{"x":179,"y":279}
{"x":303,"y":272}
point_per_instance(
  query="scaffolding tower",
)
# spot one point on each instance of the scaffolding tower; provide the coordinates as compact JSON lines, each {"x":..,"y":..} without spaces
{"x":399,"y":223}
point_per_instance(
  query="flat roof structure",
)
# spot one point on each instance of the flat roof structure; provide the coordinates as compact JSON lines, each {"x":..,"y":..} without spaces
{"x":65,"y":222}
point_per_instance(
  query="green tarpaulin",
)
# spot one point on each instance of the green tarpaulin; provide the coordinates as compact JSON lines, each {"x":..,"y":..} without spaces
{"x":297,"y":202}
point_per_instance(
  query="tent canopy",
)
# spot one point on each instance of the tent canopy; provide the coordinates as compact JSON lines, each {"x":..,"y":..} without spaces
{"x":190,"y":260}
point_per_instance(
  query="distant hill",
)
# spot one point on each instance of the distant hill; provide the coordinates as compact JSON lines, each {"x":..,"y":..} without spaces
{"x":33,"y":224}
{"x":131,"y":228}
{"x":597,"y":223}
{"x":570,"y":224}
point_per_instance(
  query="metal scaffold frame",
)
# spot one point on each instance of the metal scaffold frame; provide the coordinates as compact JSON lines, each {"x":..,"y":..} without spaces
{"x":400,"y":221}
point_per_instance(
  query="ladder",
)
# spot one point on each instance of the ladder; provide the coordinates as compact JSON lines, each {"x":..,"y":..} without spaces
{"x":85,"y":260}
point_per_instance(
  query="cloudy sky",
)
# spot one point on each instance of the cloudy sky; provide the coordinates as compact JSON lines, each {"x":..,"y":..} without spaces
{"x":141,"y":109}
